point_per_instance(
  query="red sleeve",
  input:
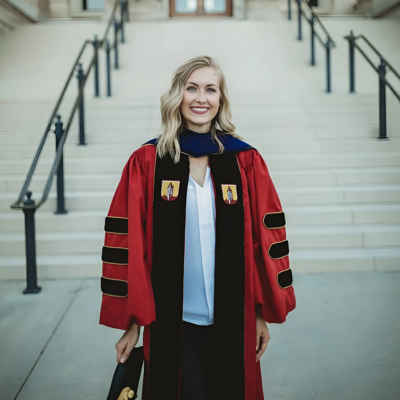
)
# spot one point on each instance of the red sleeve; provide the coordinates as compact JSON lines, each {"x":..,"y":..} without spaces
{"x":273,"y":288}
{"x":126,"y":283}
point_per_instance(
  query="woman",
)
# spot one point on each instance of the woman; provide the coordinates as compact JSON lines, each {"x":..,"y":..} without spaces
{"x":195,"y":249}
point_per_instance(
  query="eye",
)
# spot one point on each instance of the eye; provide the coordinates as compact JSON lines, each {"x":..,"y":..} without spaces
{"x":191,"y":87}
{"x":211,"y":89}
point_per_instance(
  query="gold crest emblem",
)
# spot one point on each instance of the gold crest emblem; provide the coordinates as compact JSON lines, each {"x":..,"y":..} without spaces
{"x":170,"y":190}
{"x":229,"y":194}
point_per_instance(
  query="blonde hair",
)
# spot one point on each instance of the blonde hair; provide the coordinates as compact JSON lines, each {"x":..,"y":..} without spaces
{"x":172,"y":120}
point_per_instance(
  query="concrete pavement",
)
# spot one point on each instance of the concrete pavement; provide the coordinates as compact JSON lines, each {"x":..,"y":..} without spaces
{"x":341,"y":342}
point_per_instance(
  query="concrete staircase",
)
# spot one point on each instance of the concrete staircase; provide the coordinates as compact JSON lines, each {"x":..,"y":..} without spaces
{"x":339,"y":186}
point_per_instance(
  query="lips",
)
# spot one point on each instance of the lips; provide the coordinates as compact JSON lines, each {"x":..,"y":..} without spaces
{"x":199,"y":110}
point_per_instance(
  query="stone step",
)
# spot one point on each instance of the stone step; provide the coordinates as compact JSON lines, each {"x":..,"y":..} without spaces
{"x":261,"y":140}
{"x":292,"y":179}
{"x":305,"y":237}
{"x":344,"y":236}
{"x":344,"y":260}
{"x":251,"y":135}
{"x":318,"y":216}
{"x":100,"y":200}
{"x":275,"y":162}
{"x":301,"y":261}
{"x":301,"y":147}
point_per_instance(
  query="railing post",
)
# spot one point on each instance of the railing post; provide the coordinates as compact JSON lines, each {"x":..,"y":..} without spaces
{"x":299,"y":36}
{"x":312,"y":40}
{"x":382,"y":100}
{"x":108,"y":68}
{"x":96,"y":67}
{"x":115,"y":43}
{"x":328,"y":65}
{"x":30,"y":246}
{"x":289,"y":10}
{"x":60,"y":171}
{"x":122,"y":7}
{"x":352,"y":63}
{"x":81,"y":108}
{"x":127,"y":10}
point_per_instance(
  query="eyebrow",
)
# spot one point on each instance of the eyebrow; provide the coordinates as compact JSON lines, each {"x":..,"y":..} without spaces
{"x":210,"y":84}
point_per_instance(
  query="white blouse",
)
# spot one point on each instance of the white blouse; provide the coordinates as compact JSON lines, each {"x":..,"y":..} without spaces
{"x":198,"y":293}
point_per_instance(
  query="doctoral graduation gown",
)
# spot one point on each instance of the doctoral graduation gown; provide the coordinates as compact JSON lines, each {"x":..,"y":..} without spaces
{"x":143,"y":266}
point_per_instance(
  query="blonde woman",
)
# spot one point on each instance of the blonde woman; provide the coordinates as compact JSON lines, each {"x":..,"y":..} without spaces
{"x":195,"y":249}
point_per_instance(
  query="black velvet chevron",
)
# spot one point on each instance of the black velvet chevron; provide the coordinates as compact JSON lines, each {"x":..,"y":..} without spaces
{"x":274,"y":220}
{"x":116,"y":225}
{"x":114,"y":255}
{"x":114,"y":287}
{"x":285,"y":278}
{"x":279,"y":250}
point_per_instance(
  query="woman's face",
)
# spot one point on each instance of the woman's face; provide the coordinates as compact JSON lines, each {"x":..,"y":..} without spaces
{"x":201,"y":99}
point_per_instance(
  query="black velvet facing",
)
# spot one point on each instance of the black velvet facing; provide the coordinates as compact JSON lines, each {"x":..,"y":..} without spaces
{"x":229,"y":316}
{"x":115,"y":255}
{"x":274,"y":220}
{"x":167,"y":280}
{"x":114,"y":287}
{"x":285,"y":278}
{"x":279,"y":250}
{"x":116,"y":225}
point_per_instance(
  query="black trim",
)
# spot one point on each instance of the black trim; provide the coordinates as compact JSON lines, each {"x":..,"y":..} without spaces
{"x":167,"y":280}
{"x":279,"y":250}
{"x":115,"y":255}
{"x":229,"y":318}
{"x":114,"y":287}
{"x":285,"y":278}
{"x":274,"y":220}
{"x":116,"y":225}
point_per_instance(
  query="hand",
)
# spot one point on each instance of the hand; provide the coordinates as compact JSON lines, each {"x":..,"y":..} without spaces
{"x":262,"y":336}
{"x":127,"y":342}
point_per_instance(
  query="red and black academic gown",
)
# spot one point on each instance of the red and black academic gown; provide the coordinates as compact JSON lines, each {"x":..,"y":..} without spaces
{"x":143,"y":266}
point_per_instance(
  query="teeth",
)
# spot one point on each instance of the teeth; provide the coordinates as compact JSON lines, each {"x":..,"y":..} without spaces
{"x":199,"y":109}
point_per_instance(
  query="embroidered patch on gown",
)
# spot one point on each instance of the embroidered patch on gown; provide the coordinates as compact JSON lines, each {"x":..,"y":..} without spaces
{"x":170,"y":190}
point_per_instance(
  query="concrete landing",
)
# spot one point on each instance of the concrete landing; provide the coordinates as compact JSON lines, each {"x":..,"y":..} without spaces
{"x":341,"y":342}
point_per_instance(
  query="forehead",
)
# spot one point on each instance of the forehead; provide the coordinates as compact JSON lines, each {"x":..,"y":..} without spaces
{"x":204,"y":75}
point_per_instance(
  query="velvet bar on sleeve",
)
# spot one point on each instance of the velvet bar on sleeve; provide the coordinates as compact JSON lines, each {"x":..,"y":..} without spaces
{"x":125,"y":283}
{"x":273,"y":289}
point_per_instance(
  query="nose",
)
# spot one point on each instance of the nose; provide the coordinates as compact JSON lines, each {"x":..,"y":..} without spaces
{"x":201,"y":98}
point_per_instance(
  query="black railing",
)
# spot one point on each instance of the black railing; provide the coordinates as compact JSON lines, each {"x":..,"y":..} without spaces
{"x":382,"y":69}
{"x":327,"y":42}
{"x":24,"y":201}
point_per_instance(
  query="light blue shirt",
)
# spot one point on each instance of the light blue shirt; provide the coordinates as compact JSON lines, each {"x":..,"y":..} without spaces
{"x":198,"y":293}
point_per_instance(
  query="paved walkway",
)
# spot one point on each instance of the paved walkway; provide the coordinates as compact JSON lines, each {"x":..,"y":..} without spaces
{"x":340,"y":343}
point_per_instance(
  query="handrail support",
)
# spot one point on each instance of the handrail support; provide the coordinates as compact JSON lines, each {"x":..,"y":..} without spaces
{"x":80,"y":77}
{"x":382,"y":101}
{"x":96,"y":66}
{"x":352,"y":63}
{"x":299,"y":34}
{"x":30,"y":246}
{"x":60,"y":171}
{"x":312,"y":21}
{"x":328,"y":65}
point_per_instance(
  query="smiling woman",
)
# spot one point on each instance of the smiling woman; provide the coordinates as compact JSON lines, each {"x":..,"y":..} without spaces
{"x":204,"y":252}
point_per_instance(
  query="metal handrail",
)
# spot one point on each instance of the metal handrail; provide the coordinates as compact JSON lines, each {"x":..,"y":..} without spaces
{"x":381,"y":70}
{"x":59,"y":153}
{"x":316,"y":17}
{"x":352,"y":38}
{"x":328,"y":44}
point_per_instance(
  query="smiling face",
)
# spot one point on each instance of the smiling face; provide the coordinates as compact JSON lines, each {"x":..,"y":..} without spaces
{"x":201,"y":99}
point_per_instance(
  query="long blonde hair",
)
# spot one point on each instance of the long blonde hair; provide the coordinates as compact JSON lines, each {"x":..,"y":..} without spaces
{"x":172,"y":120}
